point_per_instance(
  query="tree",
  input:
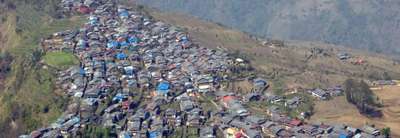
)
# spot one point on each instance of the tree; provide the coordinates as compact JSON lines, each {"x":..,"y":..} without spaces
{"x":386,"y":76}
{"x":359,"y":94}
{"x":386,"y":132}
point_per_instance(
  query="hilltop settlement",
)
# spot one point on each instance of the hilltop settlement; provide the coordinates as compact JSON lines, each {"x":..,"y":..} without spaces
{"x":139,"y":77}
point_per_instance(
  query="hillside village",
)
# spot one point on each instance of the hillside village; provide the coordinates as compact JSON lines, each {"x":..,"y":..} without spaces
{"x":139,"y":77}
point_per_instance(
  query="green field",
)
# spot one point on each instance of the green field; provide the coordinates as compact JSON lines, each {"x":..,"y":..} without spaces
{"x":60,"y":60}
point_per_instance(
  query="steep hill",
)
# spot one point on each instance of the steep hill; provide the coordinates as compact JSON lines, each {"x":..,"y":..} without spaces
{"x":27,"y":97}
{"x":365,"y":24}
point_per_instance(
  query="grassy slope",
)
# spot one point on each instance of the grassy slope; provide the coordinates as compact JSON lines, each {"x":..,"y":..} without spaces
{"x":288,"y":64}
{"x":339,"y":110}
{"x":29,"y":100}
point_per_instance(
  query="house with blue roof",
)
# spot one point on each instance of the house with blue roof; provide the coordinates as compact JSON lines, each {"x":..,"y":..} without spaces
{"x":184,"y":38}
{"x":124,"y":134}
{"x":121,"y":56}
{"x":82,"y":72}
{"x":119,"y":97}
{"x":123,"y":44}
{"x":343,"y":136}
{"x":93,"y":20}
{"x":133,"y":39}
{"x":112,"y":44}
{"x":124,"y":13}
{"x":155,"y":134}
{"x":163,"y":88}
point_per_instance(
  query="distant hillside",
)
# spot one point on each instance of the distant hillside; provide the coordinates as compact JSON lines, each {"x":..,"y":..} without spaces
{"x":366,"y":24}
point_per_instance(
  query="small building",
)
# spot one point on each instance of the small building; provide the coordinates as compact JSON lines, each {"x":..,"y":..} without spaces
{"x":383,"y":82}
{"x":121,"y":56}
{"x":319,"y":93}
{"x":193,"y":120}
{"x":252,"y":119}
{"x":353,"y":130}
{"x":343,"y":56}
{"x":295,"y":123}
{"x":186,"y":105}
{"x":335,"y":91}
{"x":124,"y":134}
{"x":83,"y":9}
{"x":364,"y":135}
{"x":112,"y":44}
{"x":274,"y":99}
{"x":370,"y":130}
{"x":252,"y":97}
{"x":233,"y":133}
{"x":170,"y":113}
{"x":234,"y":106}
{"x":251,"y":133}
{"x":276,"y":130}
{"x":205,"y":83}
{"x":163,"y":88}
{"x":294,"y":102}
{"x":207,"y":132}
{"x":112,"y":108}
{"x":259,"y":85}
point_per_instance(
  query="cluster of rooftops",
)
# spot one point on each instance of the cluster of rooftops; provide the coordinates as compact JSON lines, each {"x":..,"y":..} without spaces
{"x":145,"y":78}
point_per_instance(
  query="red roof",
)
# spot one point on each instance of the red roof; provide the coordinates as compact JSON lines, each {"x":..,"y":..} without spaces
{"x":84,"y":9}
{"x":239,"y":135}
{"x":125,"y":104}
{"x":324,"y":126}
{"x":227,"y":98}
{"x":120,"y":39}
{"x":295,"y":122}
{"x":36,"y":134}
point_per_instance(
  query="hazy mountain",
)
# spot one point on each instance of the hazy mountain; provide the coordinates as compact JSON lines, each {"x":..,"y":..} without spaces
{"x":366,"y":24}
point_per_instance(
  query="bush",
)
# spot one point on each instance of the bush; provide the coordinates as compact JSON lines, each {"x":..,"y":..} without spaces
{"x":386,"y":132}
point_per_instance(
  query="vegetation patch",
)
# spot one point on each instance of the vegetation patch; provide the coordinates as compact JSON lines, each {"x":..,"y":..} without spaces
{"x":359,"y":94}
{"x":95,"y":131}
{"x":60,"y":60}
{"x":278,"y":87}
{"x":306,"y":106}
{"x":28,"y":100}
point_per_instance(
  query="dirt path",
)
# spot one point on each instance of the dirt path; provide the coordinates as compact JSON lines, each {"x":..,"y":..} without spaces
{"x":338,"y":110}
